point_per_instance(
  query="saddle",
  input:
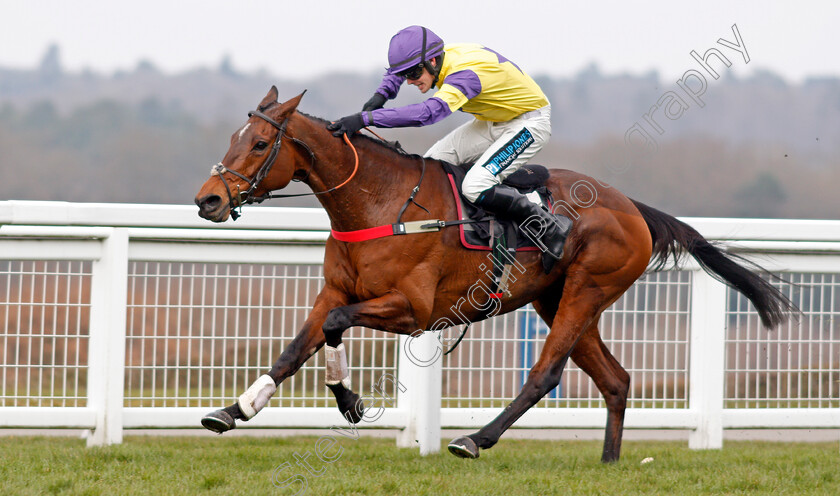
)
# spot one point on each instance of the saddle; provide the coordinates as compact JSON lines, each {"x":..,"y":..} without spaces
{"x":481,"y":228}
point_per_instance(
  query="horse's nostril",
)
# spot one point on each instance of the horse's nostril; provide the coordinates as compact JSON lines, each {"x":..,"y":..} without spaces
{"x":209,"y":203}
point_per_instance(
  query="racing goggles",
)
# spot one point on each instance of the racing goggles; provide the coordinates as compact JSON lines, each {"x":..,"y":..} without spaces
{"x":413,"y":72}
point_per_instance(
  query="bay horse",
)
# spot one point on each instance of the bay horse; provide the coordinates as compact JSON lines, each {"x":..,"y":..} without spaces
{"x":403,"y":284}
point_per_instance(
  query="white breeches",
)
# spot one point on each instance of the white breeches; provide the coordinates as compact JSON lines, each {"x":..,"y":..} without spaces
{"x":498,"y":148}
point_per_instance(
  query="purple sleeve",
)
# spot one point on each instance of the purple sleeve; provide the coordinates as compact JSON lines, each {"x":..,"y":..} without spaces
{"x":466,"y":82}
{"x":419,"y":114}
{"x":390,"y":86}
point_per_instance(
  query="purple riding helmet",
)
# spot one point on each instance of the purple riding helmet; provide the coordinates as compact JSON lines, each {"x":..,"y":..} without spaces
{"x":414,"y":46}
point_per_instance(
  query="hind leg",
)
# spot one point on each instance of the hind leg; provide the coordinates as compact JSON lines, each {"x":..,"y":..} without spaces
{"x":593,"y":357}
{"x":582,"y":301}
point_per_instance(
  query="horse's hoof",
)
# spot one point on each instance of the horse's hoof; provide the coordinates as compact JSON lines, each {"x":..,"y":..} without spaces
{"x":355,"y":414}
{"x":219,"y":421}
{"x":463,"y":447}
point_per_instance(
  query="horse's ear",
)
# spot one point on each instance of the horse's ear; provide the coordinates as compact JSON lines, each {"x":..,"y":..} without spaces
{"x":270,"y":97}
{"x":292,"y":104}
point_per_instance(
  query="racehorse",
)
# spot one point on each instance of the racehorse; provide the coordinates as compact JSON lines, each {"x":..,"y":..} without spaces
{"x":405,"y":283}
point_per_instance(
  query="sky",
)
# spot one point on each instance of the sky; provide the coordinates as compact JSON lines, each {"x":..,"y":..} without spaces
{"x":296,"y":40}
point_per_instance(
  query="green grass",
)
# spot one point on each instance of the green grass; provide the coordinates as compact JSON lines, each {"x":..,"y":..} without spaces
{"x":245,"y":465}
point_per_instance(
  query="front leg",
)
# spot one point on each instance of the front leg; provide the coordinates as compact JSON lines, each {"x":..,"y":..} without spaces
{"x":391,"y":312}
{"x":308,"y":341}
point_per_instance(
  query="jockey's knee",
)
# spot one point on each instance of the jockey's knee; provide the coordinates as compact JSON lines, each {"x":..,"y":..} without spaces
{"x":477,"y":181}
{"x":472,"y":193}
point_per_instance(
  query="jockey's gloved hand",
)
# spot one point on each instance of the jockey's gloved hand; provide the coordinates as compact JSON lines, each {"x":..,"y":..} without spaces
{"x":377,"y":101}
{"x":350,"y":125}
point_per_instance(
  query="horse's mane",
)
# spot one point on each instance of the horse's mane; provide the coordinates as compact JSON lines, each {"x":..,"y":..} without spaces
{"x":389,"y":145}
{"x":392,"y":146}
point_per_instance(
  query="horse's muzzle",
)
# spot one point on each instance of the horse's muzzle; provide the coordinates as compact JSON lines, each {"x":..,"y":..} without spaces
{"x":212,"y":208}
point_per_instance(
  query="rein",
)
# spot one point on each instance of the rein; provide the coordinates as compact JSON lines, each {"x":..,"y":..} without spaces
{"x":247,"y":196}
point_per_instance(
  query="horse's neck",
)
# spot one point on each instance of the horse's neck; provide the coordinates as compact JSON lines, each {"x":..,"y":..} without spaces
{"x":373,"y":196}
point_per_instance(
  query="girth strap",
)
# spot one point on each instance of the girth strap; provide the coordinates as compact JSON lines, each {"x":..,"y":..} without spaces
{"x":413,"y":227}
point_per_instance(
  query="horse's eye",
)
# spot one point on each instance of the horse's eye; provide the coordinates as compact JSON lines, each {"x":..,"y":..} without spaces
{"x":260,"y":146}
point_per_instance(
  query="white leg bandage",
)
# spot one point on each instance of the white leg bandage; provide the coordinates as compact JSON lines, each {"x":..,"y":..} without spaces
{"x":337,"y":370}
{"x":256,"y":397}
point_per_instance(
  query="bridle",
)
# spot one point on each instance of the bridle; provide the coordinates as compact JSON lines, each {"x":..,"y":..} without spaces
{"x":247,"y":197}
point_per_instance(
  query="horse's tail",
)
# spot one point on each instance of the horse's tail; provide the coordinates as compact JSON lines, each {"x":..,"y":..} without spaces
{"x":671,"y":236}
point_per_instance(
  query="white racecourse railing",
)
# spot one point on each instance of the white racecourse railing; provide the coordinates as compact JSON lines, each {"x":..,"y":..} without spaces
{"x":122,"y":316}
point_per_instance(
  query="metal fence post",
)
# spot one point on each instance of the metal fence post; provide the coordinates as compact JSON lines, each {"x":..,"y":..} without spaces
{"x":420,"y":371}
{"x":707,"y":360}
{"x":106,"y":355}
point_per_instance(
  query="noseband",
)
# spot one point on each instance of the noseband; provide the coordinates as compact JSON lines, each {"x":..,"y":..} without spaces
{"x":253,"y":183}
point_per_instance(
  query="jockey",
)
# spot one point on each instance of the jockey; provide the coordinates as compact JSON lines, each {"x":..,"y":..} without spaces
{"x":512,"y":121}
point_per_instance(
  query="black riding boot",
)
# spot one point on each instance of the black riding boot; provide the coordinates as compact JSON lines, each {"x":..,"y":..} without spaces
{"x":548,"y":231}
